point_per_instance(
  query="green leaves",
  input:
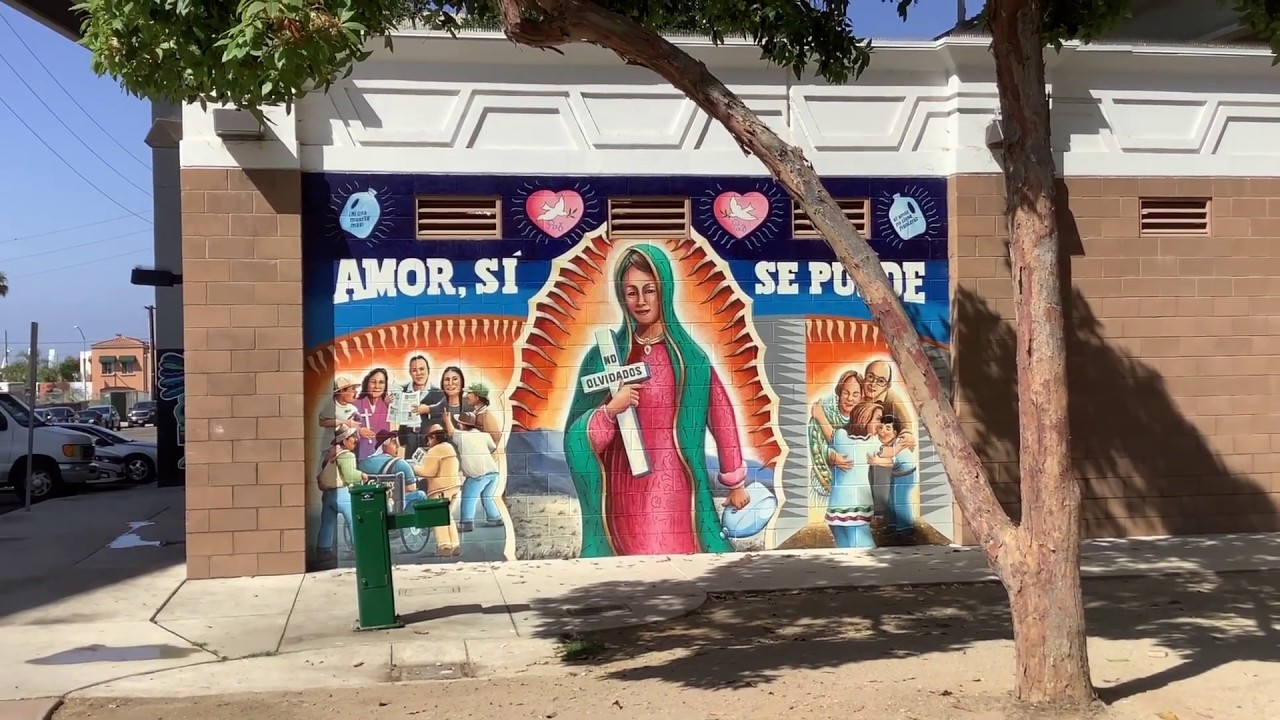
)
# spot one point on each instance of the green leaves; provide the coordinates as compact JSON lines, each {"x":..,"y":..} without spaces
{"x":249,"y":53}
{"x":1263,"y":18}
{"x":254,"y":53}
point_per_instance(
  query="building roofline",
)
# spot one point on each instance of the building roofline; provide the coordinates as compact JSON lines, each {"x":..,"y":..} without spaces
{"x":56,"y":15}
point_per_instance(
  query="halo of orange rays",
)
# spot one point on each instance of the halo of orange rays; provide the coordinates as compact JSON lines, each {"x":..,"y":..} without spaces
{"x":577,"y":300}
{"x":836,"y":344}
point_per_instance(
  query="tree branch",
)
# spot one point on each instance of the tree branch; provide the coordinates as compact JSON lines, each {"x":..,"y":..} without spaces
{"x":545,"y":33}
{"x":569,"y":21}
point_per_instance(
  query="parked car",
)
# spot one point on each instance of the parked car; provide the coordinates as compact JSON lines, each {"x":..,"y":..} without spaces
{"x":142,"y":414}
{"x":57,"y":414}
{"x":100,"y":415}
{"x":111,"y":467}
{"x":138,"y":457}
{"x":60,"y":457}
{"x":88,"y":417}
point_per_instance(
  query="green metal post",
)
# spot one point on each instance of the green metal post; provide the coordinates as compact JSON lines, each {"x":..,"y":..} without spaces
{"x":375,"y":591}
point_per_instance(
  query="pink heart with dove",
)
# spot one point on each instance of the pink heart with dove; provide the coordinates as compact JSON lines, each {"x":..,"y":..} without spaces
{"x":741,"y":213}
{"x":554,"y":213}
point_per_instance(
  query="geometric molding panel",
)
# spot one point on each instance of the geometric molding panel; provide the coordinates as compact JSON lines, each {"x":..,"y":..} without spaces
{"x":1157,"y":122}
{"x":859,"y":119}
{"x":656,"y":119}
{"x":422,"y":114}
{"x":1184,"y":123}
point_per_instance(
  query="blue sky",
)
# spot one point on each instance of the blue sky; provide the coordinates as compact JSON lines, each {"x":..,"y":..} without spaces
{"x":67,"y":243}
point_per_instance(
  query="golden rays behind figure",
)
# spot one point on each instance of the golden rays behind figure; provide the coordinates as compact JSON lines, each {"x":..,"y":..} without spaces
{"x":578,"y":299}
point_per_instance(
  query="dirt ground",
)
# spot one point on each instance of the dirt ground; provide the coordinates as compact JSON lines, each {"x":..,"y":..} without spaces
{"x":1174,"y":648}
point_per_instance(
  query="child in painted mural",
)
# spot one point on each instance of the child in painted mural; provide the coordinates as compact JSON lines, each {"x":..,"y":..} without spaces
{"x":894,"y":481}
{"x":335,"y":498}
{"x":682,"y":399}
{"x":851,"y":504}
{"x":834,"y":411}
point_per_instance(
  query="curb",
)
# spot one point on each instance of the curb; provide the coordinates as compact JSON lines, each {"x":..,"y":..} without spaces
{"x":33,"y":709}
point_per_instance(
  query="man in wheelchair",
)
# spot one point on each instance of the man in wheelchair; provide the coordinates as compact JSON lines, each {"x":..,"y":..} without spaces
{"x":386,"y":466}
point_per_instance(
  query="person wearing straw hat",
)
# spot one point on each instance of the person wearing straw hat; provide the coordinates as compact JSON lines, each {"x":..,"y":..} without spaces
{"x":342,"y":415}
{"x":335,"y":497}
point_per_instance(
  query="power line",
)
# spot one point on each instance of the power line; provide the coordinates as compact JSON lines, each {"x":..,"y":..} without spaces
{"x":95,"y":241}
{"x":69,"y":229}
{"x":69,"y":94}
{"x":77,"y":341}
{"x":70,"y":167}
{"x":64,"y":124}
{"x":82,"y":264}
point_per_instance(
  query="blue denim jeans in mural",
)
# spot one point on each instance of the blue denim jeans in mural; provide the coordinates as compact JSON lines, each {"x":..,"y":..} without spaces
{"x":334,"y":503}
{"x":901,"y":512}
{"x":853,"y":536}
{"x":412,"y":497}
{"x":480,"y":489}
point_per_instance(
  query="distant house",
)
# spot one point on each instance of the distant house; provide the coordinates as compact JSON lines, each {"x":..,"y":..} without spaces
{"x":121,"y":371}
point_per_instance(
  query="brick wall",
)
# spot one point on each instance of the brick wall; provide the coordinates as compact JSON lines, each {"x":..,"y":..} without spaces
{"x":242,"y":268}
{"x":1172,"y":347}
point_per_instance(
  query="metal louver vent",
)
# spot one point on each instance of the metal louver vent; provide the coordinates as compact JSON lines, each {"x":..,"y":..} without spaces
{"x":1173,"y":216}
{"x":459,"y":217}
{"x":649,"y":217}
{"x":858,"y":210}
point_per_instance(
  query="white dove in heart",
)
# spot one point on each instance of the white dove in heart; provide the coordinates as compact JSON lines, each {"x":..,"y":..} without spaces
{"x":551,"y":212}
{"x":740,"y":212}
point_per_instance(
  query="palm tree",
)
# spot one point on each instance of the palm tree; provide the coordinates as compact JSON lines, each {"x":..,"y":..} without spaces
{"x":4,"y":285}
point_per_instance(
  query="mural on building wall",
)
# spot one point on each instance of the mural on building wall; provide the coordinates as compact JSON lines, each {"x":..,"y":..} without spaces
{"x":576,"y":392}
{"x":171,"y":417}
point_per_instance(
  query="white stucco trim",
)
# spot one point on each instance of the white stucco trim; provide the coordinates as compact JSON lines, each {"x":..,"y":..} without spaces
{"x":479,"y":104}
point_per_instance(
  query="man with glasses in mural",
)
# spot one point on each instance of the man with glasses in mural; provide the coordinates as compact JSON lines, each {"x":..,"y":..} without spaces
{"x":877,"y":381}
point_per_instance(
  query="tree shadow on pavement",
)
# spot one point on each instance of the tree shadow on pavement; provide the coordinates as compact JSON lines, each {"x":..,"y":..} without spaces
{"x":754,"y":637}
{"x":1145,"y":468}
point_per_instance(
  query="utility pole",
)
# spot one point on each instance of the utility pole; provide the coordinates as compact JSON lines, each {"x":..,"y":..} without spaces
{"x":86,"y":390}
{"x":152,"y":365}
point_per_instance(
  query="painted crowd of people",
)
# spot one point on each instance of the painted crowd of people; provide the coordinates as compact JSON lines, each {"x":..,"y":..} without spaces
{"x":426,"y":440}
{"x":862,"y":459}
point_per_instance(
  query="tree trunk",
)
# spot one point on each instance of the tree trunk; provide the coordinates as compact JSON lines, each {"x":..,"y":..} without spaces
{"x":1039,"y":562}
{"x":567,"y":21}
{"x":1043,"y":574}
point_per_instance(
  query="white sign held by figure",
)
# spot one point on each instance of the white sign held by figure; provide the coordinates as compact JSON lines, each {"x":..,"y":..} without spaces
{"x":612,"y":378}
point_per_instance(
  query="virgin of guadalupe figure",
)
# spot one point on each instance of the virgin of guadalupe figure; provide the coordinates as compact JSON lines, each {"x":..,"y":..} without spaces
{"x":670,"y":509}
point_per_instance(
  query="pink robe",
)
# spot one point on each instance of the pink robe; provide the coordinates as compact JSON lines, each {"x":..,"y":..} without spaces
{"x":373,"y":414}
{"x":653,"y":515}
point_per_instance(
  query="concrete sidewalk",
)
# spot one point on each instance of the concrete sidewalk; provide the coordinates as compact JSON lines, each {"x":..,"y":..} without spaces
{"x":143,"y":631}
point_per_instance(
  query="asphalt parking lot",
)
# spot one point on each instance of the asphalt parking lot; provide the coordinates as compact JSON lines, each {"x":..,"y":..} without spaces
{"x":10,"y":501}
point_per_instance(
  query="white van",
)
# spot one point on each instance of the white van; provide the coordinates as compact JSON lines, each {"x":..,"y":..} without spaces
{"x":60,"y":457}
